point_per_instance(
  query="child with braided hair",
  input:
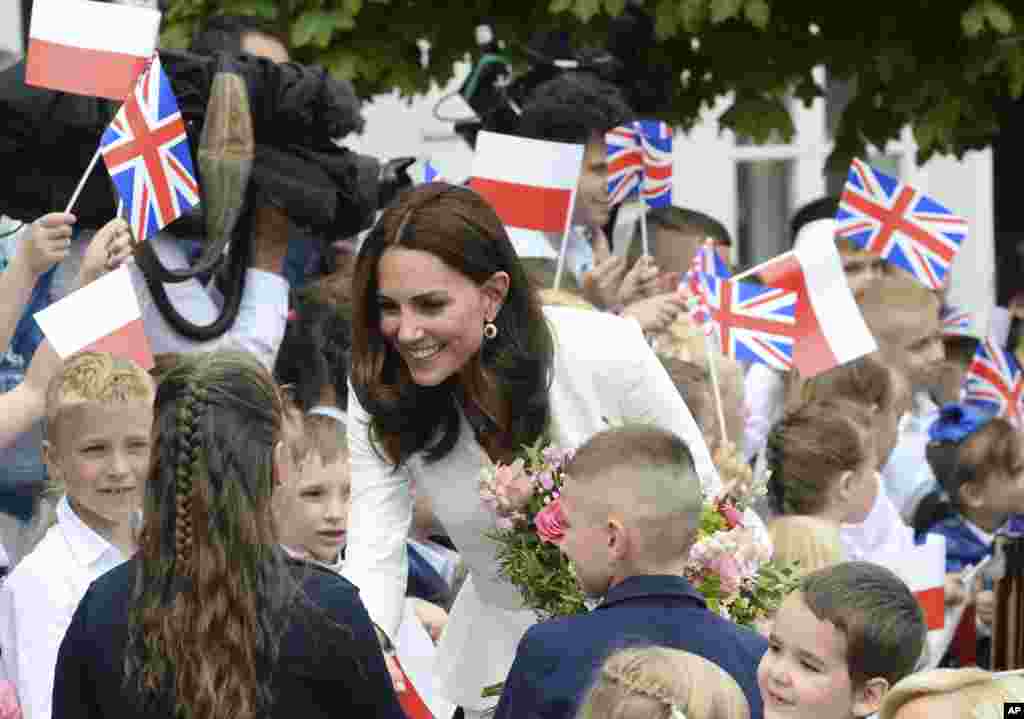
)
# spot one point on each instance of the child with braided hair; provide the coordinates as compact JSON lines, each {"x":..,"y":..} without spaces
{"x":662,"y":683}
{"x":97,"y":447}
{"x":211,"y":619}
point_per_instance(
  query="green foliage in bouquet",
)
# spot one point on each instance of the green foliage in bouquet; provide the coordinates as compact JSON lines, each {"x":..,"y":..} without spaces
{"x":544,"y":576}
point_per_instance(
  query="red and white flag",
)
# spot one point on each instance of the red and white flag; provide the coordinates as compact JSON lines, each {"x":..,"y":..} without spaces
{"x":103,"y":316}
{"x":531,"y":184}
{"x":830,"y":329}
{"x":89,"y":48}
{"x":923,"y":568}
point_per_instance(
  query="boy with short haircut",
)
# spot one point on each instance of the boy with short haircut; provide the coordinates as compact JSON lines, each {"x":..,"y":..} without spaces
{"x":631,"y":507}
{"x":903,"y":316}
{"x":99,"y":414}
{"x":839,"y":643}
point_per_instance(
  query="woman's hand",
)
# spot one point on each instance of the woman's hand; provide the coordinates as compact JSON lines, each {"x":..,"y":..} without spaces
{"x":109,"y":247}
{"x":656,"y":313}
{"x":46,"y":242}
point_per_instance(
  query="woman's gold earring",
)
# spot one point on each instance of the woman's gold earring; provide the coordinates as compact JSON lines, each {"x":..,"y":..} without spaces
{"x":490,"y":330}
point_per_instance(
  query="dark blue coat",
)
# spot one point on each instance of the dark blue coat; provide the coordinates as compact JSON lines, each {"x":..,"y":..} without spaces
{"x":963,"y":547}
{"x":557,"y":660}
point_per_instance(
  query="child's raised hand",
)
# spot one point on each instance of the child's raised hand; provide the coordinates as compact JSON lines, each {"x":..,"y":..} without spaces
{"x":955,"y":591}
{"x":45,"y":243}
{"x":109,"y":247}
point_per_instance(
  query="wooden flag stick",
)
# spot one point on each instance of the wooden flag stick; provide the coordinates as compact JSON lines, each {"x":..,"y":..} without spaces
{"x":643,"y":233}
{"x":713,"y":368}
{"x":81,"y":183}
{"x":565,"y":241}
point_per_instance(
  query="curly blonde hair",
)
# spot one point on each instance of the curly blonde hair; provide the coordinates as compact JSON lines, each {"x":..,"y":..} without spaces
{"x":648,"y":682}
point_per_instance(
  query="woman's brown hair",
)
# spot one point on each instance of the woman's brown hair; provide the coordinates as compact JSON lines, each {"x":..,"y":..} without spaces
{"x":458,"y":227}
{"x":810,"y":447}
{"x":865,"y":381}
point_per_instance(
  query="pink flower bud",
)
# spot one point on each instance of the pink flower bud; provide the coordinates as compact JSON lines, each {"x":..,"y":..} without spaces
{"x":549,"y":522}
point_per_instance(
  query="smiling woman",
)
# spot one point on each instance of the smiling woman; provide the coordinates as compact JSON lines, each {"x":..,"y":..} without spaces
{"x":455,"y":364}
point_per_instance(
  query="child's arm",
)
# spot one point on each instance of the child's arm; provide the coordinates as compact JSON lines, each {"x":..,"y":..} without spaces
{"x":24,"y":405}
{"x":43,"y":244}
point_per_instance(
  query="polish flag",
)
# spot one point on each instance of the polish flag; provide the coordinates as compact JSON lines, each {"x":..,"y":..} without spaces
{"x":103,"y":316}
{"x":89,"y":48}
{"x":531,"y":184}
{"x":830,"y":329}
{"x":923,"y":568}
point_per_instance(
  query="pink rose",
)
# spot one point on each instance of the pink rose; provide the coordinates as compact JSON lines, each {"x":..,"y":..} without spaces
{"x":550,"y":527}
{"x":9,"y":708}
{"x":733,"y":516}
{"x":729,"y":573}
{"x":512,"y":485}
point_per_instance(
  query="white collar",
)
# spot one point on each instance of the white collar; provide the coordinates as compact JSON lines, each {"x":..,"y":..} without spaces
{"x":328,"y":410}
{"x":303,"y":557}
{"x":87,"y":546}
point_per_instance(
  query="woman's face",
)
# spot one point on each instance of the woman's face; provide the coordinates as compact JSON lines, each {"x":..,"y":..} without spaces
{"x":433,"y":315}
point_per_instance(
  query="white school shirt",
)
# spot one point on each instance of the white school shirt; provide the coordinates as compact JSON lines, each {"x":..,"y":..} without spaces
{"x":907,"y":476}
{"x":38,"y":600}
{"x":882,"y":531}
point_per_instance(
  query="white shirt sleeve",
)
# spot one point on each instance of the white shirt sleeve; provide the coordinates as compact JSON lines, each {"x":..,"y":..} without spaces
{"x":765,"y":391}
{"x":259,"y":327}
{"x":380,"y":513}
{"x":32,"y":626}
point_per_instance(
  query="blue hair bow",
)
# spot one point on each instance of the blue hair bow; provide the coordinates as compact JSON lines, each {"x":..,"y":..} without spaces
{"x":956,"y":422}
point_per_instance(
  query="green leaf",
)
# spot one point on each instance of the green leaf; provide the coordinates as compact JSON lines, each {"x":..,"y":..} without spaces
{"x":973,"y":19}
{"x":615,"y":7}
{"x":999,"y":17}
{"x":1015,"y":70}
{"x":722,"y":10}
{"x":558,"y":6}
{"x":758,"y":13}
{"x":759,"y":118}
{"x":343,"y":63}
{"x":317,"y":26}
{"x":266,"y":9}
{"x":693,"y":14}
{"x":666,"y":21}
{"x":585,"y":10}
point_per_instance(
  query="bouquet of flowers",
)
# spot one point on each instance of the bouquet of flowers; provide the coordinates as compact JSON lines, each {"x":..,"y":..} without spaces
{"x":524,"y":497}
{"x":729,"y":563}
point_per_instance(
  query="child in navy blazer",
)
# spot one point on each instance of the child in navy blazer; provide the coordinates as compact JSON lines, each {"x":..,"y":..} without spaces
{"x":631,"y":507}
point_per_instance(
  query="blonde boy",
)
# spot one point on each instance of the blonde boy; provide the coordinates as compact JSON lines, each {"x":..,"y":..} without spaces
{"x":99,"y":412}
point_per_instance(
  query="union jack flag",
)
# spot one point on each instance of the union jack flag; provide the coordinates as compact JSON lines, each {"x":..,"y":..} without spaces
{"x":994,"y":382}
{"x":706,"y":261}
{"x":899,"y":223}
{"x":750,"y":322}
{"x":625,"y":162}
{"x":146,"y":152}
{"x":656,"y":139}
{"x":955,"y":321}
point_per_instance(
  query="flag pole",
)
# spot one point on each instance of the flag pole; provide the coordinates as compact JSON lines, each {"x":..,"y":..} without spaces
{"x":81,"y":183}
{"x":716,"y":388}
{"x":560,"y":267}
{"x":643,"y":232}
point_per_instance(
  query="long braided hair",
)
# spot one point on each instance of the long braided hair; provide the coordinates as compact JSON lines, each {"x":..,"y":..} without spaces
{"x":212,"y":588}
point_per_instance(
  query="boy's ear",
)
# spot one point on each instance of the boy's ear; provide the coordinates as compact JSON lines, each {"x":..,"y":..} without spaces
{"x":971,"y":494}
{"x":844,"y":487}
{"x":867,"y":699}
{"x":618,"y":539}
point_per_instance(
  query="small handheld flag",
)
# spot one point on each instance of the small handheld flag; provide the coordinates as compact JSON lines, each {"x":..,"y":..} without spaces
{"x":994,"y":382}
{"x":956,"y":321}
{"x":751,"y":323}
{"x":899,"y":223}
{"x":656,"y":140}
{"x":147,"y":154}
{"x":103,"y":316}
{"x":625,"y":163}
{"x":89,"y":48}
